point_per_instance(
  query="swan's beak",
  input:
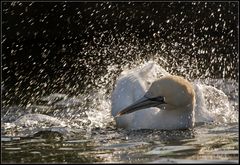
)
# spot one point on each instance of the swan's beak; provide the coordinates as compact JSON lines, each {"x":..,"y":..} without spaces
{"x":142,"y":103}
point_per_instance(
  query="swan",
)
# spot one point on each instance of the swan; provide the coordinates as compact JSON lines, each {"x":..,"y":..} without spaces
{"x":148,"y":97}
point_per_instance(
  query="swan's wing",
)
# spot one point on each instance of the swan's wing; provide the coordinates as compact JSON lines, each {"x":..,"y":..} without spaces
{"x":132,"y":85}
{"x":128,"y":89}
{"x":151,"y":71}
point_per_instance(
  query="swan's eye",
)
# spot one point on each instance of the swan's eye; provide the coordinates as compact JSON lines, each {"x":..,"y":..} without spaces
{"x":159,"y":99}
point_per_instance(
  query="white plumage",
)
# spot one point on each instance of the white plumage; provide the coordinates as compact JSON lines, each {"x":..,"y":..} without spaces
{"x":170,"y":100}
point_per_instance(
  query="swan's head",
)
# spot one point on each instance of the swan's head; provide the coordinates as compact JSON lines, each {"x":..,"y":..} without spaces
{"x":167,"y":93}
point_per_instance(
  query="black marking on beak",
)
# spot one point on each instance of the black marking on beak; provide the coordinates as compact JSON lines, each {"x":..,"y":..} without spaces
{"x":144,"y":102}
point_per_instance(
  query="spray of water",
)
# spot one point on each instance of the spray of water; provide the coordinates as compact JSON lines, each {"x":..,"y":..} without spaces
{"x":72,"y":82}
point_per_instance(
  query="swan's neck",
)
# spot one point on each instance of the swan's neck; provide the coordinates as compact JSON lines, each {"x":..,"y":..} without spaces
{"x":154,"y":118}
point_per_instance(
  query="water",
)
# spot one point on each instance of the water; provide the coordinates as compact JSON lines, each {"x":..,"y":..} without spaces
{"x":60,"y":62}
{"x":211,"y":143}
{"x":60,"y":129}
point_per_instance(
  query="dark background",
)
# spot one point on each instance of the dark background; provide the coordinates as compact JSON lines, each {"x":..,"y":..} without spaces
{"x":50,"y":47}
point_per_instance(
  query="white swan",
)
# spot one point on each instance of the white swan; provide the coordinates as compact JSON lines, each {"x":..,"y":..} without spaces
{"x":167,"y":103}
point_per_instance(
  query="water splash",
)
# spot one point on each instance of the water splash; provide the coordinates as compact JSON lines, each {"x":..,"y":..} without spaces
{"x":218,"y":104}
{"x":65,"y":114}
{"x":78,"y":75}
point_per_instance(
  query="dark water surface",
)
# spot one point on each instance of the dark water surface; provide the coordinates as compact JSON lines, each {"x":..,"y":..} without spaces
{"x":54,"y":51}
{"x":215,"y":144}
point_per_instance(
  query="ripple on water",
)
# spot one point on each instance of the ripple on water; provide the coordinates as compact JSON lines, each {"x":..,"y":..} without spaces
{"x":172,"y":150}
{"x":122,"y":146}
